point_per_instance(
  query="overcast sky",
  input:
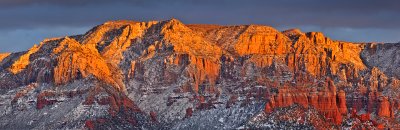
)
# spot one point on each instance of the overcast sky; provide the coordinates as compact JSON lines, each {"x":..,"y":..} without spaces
{"x":27,"y":22}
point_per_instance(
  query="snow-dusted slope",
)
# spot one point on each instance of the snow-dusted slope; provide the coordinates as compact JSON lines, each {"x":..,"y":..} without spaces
{"x":384,"y":56}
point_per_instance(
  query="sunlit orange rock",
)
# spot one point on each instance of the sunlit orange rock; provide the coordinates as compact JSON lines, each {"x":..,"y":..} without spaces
{"x":203,"y":56}
{"x":204,"y":69}
{"x":302,"y":99}
{"x":283,"y":98}
{"x":268,"y":108}
{"x":261,"y":40}
{"x":307,"y":69}
{"x":329,"y":102}
{"x":342,"y":102}
{"x":380,"y":126}
{"x":312,"y":52}
{"x":186,"y":41}
{"x":313,"y":99}
{"x":23,"y":61}
{"x":3,"y":55}
{"x":365,"y":117}
{"x":384,"y":107}
{"x":77,"y":61}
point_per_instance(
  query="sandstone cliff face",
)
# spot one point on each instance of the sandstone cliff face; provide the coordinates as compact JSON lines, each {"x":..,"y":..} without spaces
{"x":329,"y":102}
{"x":384,"y":107}
{"x":79,"y":61}
{"x":181,"y":48}
{"x":23,"y":61}
{"x":311,"y":52}
{"x":321,"y":56}
{"x":185,"y":41}
{"x":203,"y":56}
{"x":113,"y":38}
{"x":261,"y":40}
{"x":165,"y":71}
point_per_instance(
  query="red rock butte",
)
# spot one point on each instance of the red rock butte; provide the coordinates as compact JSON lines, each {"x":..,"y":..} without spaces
{"x":127,"y":65}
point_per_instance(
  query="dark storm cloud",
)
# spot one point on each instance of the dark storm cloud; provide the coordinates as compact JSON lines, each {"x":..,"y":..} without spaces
{"x":337,"y":18}
{"x":342,"y":13}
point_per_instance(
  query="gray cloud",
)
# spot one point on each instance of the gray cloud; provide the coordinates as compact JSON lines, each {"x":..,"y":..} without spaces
{"x":335,"y":18}
{"x":338,"y":13}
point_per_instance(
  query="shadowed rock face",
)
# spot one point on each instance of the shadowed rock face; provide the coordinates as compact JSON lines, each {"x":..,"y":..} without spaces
{"x":383,"y":56}
{"x":165,"y":74}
